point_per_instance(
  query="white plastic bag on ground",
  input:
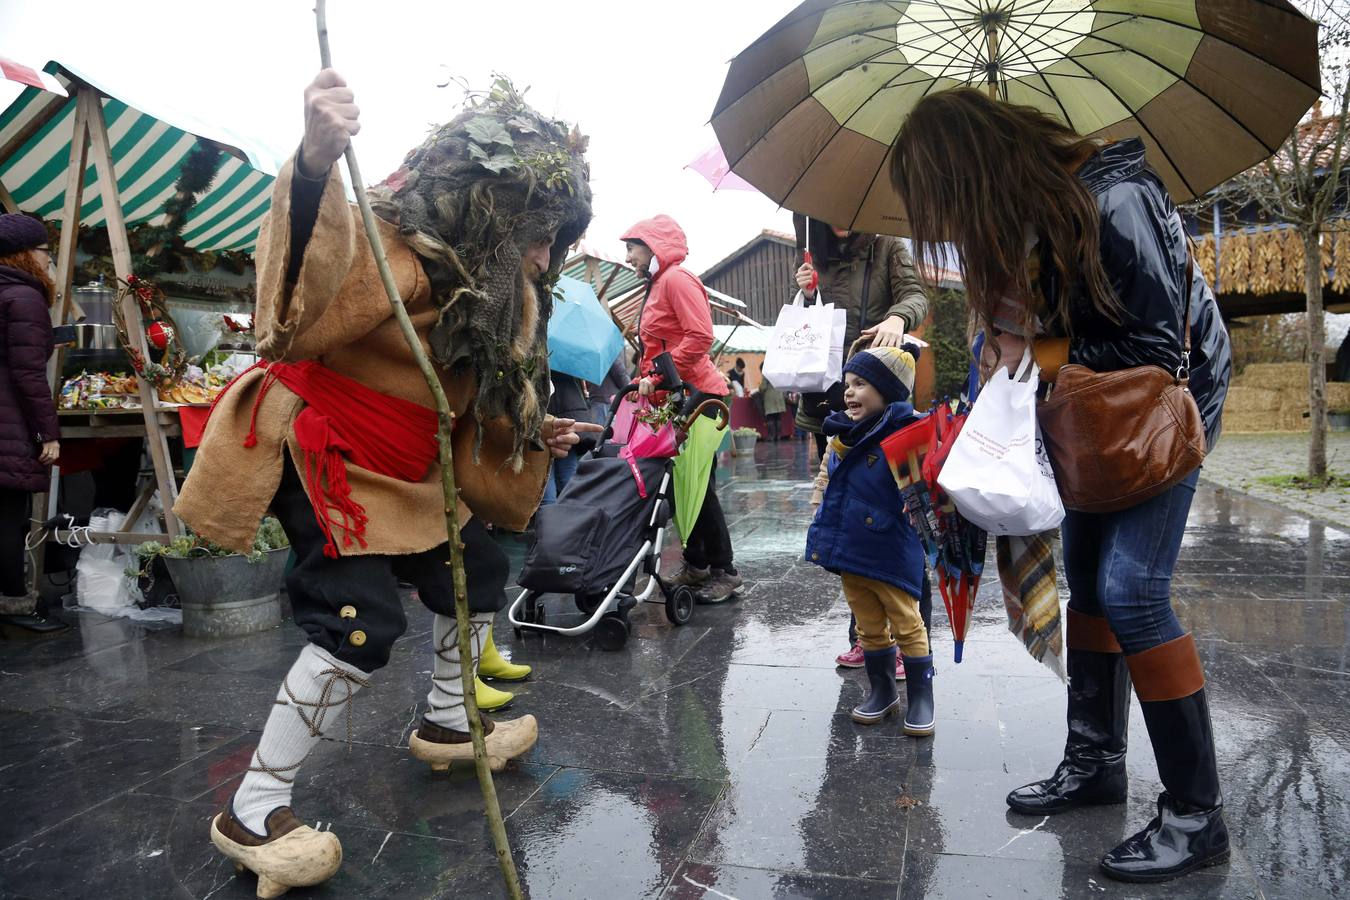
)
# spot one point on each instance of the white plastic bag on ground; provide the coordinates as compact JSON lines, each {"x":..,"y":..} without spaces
{"x":806,"y":349}
{"x":998,"y":473}
{"x":101,"y":572}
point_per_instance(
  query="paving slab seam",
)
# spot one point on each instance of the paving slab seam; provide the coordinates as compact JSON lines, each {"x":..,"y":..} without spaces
{"x":534,"y":793}
{"x":685,"y":857}
{"x":129,"y":790}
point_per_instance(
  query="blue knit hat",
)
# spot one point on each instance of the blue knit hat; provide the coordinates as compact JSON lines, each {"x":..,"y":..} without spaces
{"x":19,"y":232}
{"x":888,"y":369}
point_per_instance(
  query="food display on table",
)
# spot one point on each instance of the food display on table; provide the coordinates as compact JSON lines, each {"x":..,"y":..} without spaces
{"x":121,"y":390}
{"x":100,"y":390}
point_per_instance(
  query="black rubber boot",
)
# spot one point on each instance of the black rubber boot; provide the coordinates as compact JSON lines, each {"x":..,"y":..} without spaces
{"x":882,"y":699}
{"x":919,"y":716}
{"x":1189,"y":831}
{"x":1093,"y":769}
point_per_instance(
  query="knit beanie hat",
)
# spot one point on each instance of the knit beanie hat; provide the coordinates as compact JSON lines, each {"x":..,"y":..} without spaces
{"x":19,"y":232}
{"x":888,"y":369}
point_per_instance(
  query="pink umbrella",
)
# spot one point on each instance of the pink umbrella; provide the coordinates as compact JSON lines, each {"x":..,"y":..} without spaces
{"x":712,"y":165}
{"x":13,"y":71}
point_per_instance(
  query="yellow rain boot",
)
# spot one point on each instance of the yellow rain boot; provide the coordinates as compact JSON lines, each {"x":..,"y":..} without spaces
{"x":491,"y":664}
{"x":489,"y":698}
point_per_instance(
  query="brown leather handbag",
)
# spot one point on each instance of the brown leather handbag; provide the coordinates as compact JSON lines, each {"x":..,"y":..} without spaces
{"x":1115,"y":439}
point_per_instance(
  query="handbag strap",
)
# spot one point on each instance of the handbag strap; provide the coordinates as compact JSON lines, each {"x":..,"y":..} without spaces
{"x":1183,"y":373}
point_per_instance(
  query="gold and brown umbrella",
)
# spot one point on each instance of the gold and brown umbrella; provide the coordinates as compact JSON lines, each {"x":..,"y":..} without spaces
{"x":809,"y":110}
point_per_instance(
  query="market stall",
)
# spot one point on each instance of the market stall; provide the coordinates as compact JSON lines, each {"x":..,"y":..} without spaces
{"x":142,"y":362}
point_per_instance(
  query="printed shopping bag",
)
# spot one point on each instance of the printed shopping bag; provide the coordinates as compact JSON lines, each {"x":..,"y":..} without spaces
{"x":998,"y":473}
{"x":806,"y":349}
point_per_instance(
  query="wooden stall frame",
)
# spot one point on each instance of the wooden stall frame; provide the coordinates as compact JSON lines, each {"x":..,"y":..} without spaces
{"x":89,"y":139}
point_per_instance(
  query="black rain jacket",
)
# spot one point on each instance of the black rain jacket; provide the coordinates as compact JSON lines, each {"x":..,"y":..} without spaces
{"x":1144,"y":250}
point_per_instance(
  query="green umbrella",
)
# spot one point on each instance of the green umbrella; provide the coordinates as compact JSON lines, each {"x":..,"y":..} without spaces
{"x":809,"y":111}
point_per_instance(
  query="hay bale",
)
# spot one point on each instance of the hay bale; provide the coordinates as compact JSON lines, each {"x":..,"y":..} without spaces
{"x":1338,"y":395}
{"x":1256,"y":409}
{"x":1252,"y":399}
{"x":1275,"y":376}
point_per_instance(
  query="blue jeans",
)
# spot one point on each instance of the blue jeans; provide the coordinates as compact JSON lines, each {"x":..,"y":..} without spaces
{"x":1119,"y":565}
{"x":558,"y":475}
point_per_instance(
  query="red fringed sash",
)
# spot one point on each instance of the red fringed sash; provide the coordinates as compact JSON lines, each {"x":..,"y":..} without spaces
{"x":346,"y":422}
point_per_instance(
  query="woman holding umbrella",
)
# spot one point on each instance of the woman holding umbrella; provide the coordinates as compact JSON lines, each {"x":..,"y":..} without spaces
{"x":1076,"y":249}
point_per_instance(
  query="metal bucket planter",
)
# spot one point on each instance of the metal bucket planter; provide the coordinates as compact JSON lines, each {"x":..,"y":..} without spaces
{"x":226,"y":596}
{"x":744,"y":443}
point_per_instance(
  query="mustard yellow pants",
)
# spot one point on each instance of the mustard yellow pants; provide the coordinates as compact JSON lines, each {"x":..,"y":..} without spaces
{"x":886,"y":615}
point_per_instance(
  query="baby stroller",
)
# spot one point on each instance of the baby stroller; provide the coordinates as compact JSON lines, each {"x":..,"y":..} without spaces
{"x":609,"y":523}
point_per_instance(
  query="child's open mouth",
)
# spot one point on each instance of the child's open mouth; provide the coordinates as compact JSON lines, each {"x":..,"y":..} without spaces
{"x":853,"y":409}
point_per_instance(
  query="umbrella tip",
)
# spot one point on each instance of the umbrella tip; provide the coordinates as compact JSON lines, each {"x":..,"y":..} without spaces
{"x":960,"y":645}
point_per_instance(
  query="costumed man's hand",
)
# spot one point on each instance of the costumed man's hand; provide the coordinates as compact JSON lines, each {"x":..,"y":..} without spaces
{"x":561,"y":435}
{"x":330,"y":121}
{"x":890,"y":332}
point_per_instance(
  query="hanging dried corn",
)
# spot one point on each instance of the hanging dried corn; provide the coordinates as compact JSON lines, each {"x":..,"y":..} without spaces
{"x":1204,"y":258}
{"x":1233,"y":256}
{"x":1266,"y":277}
{"x":1341,"y":281}
{"x":1292,"y":262}
{"x":1328,"y":246}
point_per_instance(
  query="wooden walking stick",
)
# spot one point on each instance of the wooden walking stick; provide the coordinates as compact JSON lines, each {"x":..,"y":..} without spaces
{"x":446,"y":418}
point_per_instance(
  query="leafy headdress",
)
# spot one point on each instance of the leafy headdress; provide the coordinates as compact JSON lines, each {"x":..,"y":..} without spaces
{"x":470,"y":201}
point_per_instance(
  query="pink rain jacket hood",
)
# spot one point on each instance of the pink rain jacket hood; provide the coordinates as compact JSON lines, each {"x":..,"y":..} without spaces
{"x":676,"y":316}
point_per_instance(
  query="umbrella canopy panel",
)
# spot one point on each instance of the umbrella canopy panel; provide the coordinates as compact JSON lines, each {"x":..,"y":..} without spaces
{"x":809,"y":111}
{"x":148,"y":155}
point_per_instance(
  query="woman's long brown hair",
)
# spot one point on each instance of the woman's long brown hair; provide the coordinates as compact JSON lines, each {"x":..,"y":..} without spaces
{"x":27,"y":261}
{"x":977,"y":173}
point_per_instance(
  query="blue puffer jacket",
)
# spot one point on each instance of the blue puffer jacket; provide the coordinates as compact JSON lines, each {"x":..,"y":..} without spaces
{"x":861,"y":527}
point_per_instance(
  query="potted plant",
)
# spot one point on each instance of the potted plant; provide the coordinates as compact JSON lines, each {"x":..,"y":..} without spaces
{"x":744,"y":439}
{"x":223,"y":593}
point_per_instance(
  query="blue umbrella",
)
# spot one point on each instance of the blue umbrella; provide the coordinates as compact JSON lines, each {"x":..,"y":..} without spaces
{"x":582,"y":339}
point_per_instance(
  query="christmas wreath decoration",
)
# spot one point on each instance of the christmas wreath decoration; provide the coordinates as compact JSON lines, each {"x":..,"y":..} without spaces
{"x":161,"y":333}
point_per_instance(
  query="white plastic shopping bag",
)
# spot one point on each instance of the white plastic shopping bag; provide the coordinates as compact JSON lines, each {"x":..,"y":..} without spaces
{"x":806,"y":349}
{"x":998,"y":473}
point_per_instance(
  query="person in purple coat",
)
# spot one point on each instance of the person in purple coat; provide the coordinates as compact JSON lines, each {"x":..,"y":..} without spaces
{"x":28,"y":430}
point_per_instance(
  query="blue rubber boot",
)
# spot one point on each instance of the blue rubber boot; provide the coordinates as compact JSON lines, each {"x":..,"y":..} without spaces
{"x":919,"y":716}
{"x":882,"y":699}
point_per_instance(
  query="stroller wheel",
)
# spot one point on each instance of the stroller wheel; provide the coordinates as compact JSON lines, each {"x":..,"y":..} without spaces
{"x":679,"y":605}
{"x":611,"y":633}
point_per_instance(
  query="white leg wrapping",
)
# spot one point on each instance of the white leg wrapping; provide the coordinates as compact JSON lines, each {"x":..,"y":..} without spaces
{"x":315,"y":693}
{"x":446,"y":700}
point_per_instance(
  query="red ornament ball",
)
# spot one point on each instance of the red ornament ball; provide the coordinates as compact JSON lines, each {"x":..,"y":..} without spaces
{"x":159,"y":334}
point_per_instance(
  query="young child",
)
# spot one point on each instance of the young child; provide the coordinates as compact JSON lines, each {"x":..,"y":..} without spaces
{"x":861,"y":533}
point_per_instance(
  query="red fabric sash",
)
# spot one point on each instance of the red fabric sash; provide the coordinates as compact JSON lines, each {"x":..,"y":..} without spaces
{"x":346,"y":422}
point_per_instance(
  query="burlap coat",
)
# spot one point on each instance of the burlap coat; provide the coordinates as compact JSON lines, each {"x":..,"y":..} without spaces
{"x":337,"y":312}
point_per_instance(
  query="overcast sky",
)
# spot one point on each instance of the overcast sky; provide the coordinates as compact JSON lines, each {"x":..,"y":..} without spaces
{"x":640,"y":78}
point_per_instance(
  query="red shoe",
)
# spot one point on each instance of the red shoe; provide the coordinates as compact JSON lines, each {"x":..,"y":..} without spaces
{"x":853,"y":659}
{"x":899,"y":667}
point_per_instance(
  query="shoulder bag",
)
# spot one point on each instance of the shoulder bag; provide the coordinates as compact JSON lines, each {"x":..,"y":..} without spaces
{"x":1116,"y":439}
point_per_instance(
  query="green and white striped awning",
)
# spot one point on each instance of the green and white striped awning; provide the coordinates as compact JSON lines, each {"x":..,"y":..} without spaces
{"x":149,"y":145}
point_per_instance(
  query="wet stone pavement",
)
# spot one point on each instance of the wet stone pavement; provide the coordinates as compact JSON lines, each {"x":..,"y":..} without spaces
{"x":712,"y":760}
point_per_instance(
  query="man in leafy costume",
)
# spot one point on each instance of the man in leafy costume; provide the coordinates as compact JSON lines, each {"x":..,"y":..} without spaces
{"x":336,"y":434}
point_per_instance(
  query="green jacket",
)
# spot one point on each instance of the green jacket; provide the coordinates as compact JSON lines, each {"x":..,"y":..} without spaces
{"x":896,"y":291}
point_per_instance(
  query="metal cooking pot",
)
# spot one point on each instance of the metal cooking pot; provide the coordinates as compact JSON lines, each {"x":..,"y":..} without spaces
{"x":96,"y":337}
